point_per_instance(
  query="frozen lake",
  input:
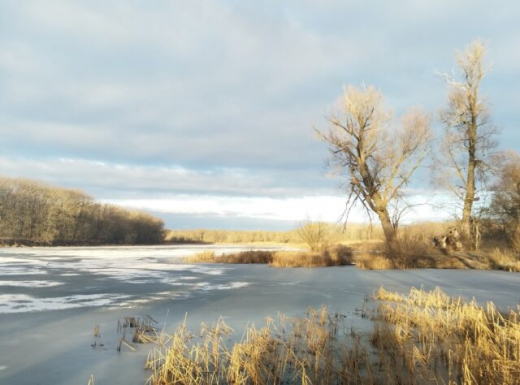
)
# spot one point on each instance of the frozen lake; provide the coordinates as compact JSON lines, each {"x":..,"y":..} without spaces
{"x":51,"y":298}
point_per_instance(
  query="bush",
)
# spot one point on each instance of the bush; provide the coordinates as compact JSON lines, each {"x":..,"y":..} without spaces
{"x":253,"y":256}
{"x":207,"y":256}
{"x":338,"y":256}
{"x":370,"y":261}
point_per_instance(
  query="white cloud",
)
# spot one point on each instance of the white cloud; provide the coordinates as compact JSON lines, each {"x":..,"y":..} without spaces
{"x":116,"y":180}
{"x":216,"y":97}
{"x":326,"y":208}
{"x":296,"y":209}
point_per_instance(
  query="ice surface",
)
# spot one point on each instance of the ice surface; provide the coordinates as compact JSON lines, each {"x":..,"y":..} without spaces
{"x":47,"y":330}
{"x":21,"y":303}
{"x":30,"y":283}
{"x":70,"y":266}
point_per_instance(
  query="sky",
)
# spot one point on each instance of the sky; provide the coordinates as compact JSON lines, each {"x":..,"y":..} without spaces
{"x":202,"y":112}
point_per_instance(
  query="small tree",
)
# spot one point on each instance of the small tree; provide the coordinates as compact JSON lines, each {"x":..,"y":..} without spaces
{"x":469,"y":136}
{"x":378,"y":157}
{"x":316,"y":235}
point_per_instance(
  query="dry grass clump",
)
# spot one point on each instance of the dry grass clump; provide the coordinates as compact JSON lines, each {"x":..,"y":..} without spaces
{"x":298,"y":259}
{"x":339,"y":256}
{"x":144,"y":331}
{"x":419,"y":338}
{"x":206,"y":256}
{"x":373,"y":261}
{"x":504,"y":260}
{"x":245,"y":257}
{"x":439,"y":339}
{"x":304,"y":350}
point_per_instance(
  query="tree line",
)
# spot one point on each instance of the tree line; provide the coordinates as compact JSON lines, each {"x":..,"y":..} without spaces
{"x":379,"y":155}
{"x":334,"y":233}
{"x":36,"y":213}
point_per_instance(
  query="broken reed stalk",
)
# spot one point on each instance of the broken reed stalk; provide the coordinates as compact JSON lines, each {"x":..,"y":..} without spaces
{"x":97,"y":333}
{"x":144,"y":331}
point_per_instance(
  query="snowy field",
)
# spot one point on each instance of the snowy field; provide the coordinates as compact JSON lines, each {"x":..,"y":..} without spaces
{"x":51,"y":298}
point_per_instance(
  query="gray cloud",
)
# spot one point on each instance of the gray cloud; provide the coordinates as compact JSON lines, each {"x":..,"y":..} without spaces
{"x":112,"y":180}
{"x":209,"y":86}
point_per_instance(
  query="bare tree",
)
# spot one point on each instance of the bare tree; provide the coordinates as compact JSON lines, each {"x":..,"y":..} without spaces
{"x":469,"y":136}
{"x":505,"y":206}
{"x":316,"y":234}
{"x":378,"y":156}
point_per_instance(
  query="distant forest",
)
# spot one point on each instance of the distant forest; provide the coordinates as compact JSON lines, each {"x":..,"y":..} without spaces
{"x":336,"y":233}
{"x":35,"y":213}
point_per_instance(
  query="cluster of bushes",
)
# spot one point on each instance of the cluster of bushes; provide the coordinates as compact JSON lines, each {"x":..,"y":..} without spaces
{"x":36,"y":213}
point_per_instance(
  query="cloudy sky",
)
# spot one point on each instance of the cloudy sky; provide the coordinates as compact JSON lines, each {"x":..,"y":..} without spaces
{"x":202,"y":111}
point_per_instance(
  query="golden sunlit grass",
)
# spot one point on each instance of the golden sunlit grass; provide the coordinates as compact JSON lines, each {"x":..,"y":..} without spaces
{"x":370,"y":261}
{"x":422,"y":337}
{"x":337,"y":256}
{"x":442,"y":339}
{"x":290,"y":350}
{"x":243,"y":257}
{"x":415,"y":254}
{"x":252,"y":256}
{"x":206,"y":256}
{"x":501,"y":259}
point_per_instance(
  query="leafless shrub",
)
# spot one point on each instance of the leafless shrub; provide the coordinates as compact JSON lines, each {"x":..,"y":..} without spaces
{"x":316,"y":235}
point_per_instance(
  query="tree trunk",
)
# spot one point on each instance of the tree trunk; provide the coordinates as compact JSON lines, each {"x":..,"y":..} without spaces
{"x":515,"y":237}
{"x":469,"y":197}
{"x":390,"y":232}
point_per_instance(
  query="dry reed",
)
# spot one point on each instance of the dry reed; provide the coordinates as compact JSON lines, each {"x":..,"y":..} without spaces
{"x":419,"y":338}
{"x":337,"y":256}
{"x":508,"y":260}
{"x":439,"y":339}
{"x":206,"y":256}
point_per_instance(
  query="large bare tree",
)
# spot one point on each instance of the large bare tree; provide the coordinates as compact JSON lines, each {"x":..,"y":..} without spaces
{"x":469,"y":136}
{"x":377,"y":155}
